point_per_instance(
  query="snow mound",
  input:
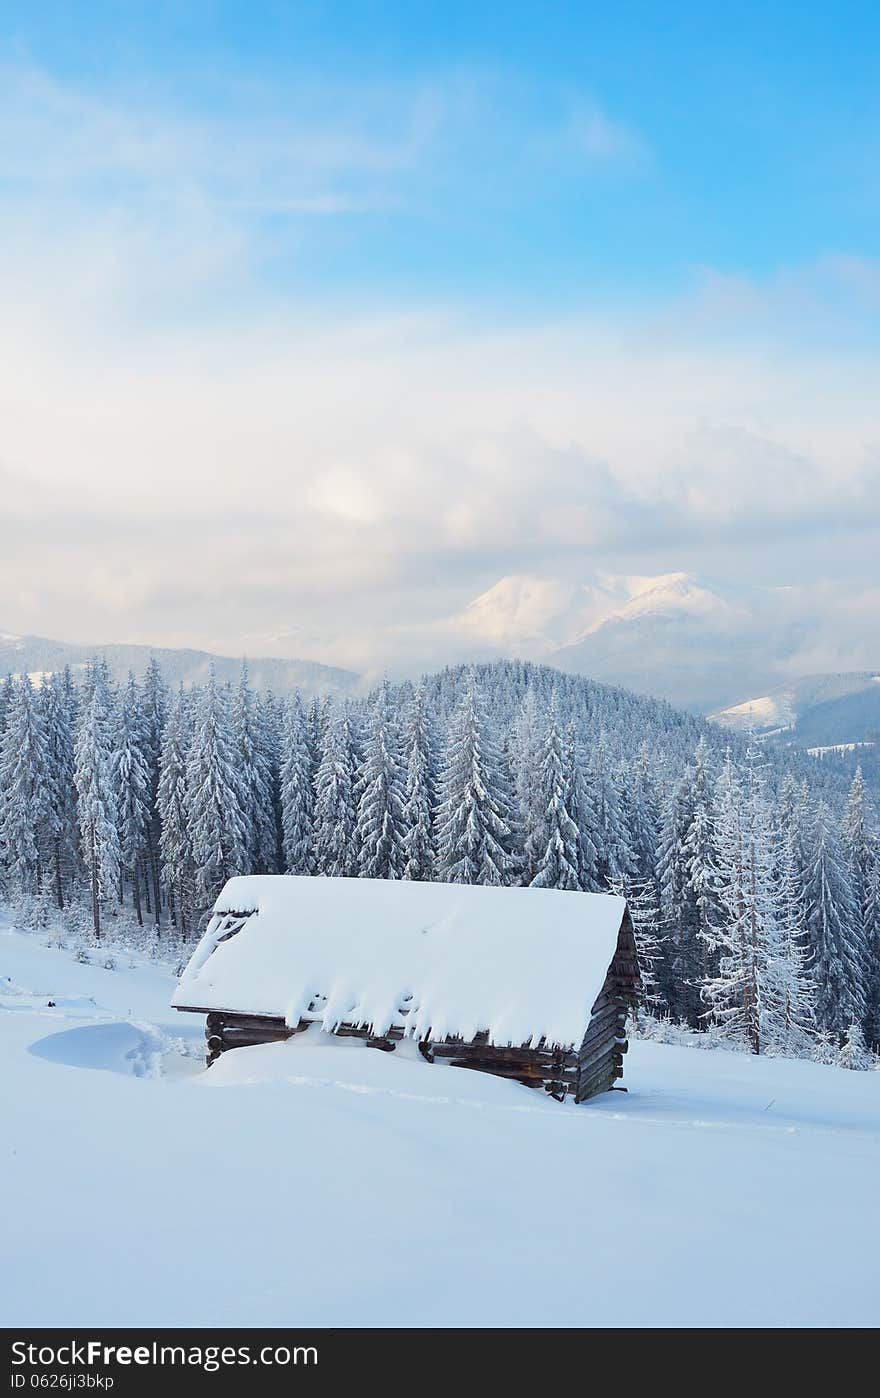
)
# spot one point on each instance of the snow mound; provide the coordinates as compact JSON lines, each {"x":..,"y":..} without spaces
{"x":118,"y":1046}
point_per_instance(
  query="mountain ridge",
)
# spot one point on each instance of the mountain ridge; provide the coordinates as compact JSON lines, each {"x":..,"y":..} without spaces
{"x":39,"y":655}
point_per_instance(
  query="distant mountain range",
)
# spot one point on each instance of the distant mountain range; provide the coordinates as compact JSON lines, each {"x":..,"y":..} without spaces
{"x":817,"y":711}
{"x":35,"y":655}
{"x":697,"y":642}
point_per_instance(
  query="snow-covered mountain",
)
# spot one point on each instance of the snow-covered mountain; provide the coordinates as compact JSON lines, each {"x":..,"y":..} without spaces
{"x":533,"y":615}
{"x":679,"y":636}
{"x":814,"y":711}
{"x":731,"y":650}
{"x":36,"y":656}
{"x":699,"y":642}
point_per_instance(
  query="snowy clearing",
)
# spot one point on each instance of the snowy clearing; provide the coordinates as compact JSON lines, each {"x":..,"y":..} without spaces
{"x":321,"y":1182}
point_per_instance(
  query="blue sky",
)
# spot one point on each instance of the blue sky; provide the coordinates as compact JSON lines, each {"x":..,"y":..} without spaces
{"x":526,"y":153}
{"x":408,"y":299}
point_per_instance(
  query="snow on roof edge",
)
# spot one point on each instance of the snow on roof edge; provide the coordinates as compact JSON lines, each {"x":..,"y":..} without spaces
{"x":521,"y":964}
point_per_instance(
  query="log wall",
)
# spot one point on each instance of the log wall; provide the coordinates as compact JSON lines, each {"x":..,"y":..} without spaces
{"x":582,"y":1073}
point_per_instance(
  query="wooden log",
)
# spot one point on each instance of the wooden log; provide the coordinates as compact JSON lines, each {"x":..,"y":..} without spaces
{"x":598,"y":1079}
{"x":249,"y":1038}
{"x":598,"y":1056}
{"x":596,"y":1085}
{"x":607,"y":1024}
{"x":609,"y":1068}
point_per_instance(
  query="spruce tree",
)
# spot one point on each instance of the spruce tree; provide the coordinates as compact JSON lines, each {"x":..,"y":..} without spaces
{"x":614,"y":857}
{"x":154,"y":704}
{"x":558,"y":864}
{"x":419,"y":798}
{"x":832,"y":928}
{"x":861,"y":850}
{"x":24,"y":806}
{"x":96,"y":794}
{"x":254,"y":771}
{"x":758,"y":995}
{"x":59,"y":714}
{"x":172,"y":802}
{"x":334,"y":843}
{"x":473,"y":828}
{"x":873,"y":955}
{"x":854,"y":1052}
{"x":582,"y":811}
{"x":527,"y":755}
{"x":220,"y":835}
{"x":7,"y":689}
{"x":296,"y":791}
{"x":381,"y":853}
{"x":131,"y":776}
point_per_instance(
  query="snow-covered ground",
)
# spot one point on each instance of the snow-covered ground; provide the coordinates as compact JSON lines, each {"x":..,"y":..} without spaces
{"x":323,"y":1183}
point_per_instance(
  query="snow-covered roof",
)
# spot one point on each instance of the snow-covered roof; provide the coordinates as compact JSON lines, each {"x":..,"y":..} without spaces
{"x":522,"y":963}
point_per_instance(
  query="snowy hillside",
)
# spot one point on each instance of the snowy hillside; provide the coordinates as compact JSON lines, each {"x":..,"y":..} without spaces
{"x":697,"y":641}
{"x":336,"y":1185}
{"x":38,"y":657}
{"x":831,"y":716}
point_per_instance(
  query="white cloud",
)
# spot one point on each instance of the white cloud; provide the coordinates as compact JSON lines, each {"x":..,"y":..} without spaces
{"x":588,"y":134}
{"x":190,"y":459}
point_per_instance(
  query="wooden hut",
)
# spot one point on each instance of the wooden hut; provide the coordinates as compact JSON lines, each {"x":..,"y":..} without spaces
{"x":530,"y":984}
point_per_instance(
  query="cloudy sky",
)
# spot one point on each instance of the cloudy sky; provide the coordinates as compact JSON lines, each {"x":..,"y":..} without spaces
{"x":320,"y":319}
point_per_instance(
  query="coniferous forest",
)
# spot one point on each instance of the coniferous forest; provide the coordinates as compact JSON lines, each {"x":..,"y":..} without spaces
{"x":753,"y":876}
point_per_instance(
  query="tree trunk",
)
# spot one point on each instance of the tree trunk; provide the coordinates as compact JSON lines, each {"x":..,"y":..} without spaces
{"x":154,"y":869}
{"x":59,"y":890}
{"x":145,"y":866}
{"x":96,"y":903}
{"x":136,"y":895}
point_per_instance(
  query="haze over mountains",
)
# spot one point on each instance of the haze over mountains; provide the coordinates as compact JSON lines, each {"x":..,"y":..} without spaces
{"x":35,"y":655}
{"x":751,"y":656}
{"x":815,"y":711}
{"x":698,"y":642}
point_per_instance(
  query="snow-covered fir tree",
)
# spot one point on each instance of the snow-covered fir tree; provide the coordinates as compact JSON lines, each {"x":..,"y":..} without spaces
{"x":684,"y":962}
{"x":873,"y":957}
{"x":255,"y":775}
{"x":297,"y":796}
{"x":582,"y":811}
{"x":611,"y":838}
{"x":131,"y":776}
{"x":7,"y":689}
{"x":861,"y":850}
{"x":831,"y":925}
{"x":221,"y":836}
{"x":24,"y":806}
{"x":758,"y":995}
{"x":473,"y":817}
{"x":59,"y":715}
{"x":526,"y":749}
{"x":175,"y":845}
{"x":859,"y":839}
{"x":557,"y":866}
{"x":381,"y":853}
{"x":854,"y":1052}
{"x":96,"y":793}
{"x":334,"y":823}
{"x":154,"y":705}
{"x":419,"y":798}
